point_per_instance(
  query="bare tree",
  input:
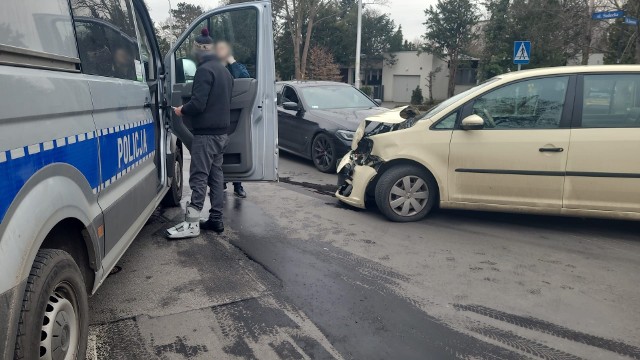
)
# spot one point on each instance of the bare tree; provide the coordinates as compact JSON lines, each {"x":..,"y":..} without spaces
{"x":322,"y":65}
{"x":301,"y":15}
{"x":431,"y":77}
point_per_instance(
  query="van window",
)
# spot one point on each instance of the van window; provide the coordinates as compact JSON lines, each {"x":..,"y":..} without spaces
{"x":528,"y":104}
{"x":146,"y":56}
{"x":611,"y":101}
{"x":238,"y":31}
{"x":107,"y":40}
{"x":43,"y":26}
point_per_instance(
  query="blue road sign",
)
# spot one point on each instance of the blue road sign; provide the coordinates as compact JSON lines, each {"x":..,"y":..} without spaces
{"x":629,"y":20}
{"x":521,"y":52}
{"x":603,"y":15}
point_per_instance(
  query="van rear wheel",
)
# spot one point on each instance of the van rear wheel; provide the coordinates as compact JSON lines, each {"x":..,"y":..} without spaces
{"x":406,"y":193}
{"x":54,"y":320}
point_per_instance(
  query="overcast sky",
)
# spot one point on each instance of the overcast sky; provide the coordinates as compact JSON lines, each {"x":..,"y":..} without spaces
{"x":408,"y":13}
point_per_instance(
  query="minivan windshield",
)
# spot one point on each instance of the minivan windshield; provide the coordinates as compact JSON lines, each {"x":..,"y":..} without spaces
{"x":431,"y":113}
{"x":335,"y":97}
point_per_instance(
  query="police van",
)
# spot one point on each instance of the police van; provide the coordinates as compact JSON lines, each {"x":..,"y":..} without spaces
{"x":88,"y":148}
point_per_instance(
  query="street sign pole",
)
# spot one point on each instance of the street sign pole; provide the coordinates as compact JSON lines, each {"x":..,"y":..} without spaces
{"x":358,"y":41}
{"x":519,"y":67}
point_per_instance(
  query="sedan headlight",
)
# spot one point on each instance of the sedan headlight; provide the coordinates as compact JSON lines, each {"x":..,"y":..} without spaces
{"x":346,"y":134}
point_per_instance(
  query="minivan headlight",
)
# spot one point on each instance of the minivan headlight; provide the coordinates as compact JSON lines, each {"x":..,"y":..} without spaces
{"x":346,"y":134}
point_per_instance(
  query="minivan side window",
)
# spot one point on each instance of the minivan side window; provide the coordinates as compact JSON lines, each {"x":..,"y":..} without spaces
{"x":107,"y":40}
{"x":611,"y":101}
{"x":528,"y":104}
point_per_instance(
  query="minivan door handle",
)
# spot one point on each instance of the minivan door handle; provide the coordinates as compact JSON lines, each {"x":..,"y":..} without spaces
{"x":551,"y":149}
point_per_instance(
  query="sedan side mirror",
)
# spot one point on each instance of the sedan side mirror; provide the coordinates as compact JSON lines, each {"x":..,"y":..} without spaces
{"x":290,"y":105}
{"x":472,"y":122}
{"x":378,"y":101}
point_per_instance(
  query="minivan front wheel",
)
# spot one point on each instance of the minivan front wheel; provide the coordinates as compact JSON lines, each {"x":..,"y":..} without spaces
{"x":54,"y":320}
{"x":405,"y":193}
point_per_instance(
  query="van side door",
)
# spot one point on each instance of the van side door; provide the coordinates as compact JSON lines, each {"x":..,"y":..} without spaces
{"x":603,"y":170}
{"x":518,"y":158}
{"x":128,"y":134}
{"x":252,"y":152}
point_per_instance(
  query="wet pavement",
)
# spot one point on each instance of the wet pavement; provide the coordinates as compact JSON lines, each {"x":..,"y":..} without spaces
{"x":297,"y":275}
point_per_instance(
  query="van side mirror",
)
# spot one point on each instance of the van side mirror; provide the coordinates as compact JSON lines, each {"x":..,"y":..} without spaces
{"x":290,"y":105}
{"x":472,"y":122}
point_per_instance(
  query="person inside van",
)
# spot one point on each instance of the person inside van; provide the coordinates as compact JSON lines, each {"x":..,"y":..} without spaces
{"x":123,"y":65}
{"x":210,"y":113}
{"x":237,"y":70}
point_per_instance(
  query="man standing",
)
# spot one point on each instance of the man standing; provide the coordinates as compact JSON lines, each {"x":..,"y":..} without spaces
{"x":209,"y":109}
{"x":237,"y":70}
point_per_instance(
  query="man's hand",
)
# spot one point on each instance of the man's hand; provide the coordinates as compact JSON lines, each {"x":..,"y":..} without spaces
{"x":231,"y":59}
{"x":178,"y":110}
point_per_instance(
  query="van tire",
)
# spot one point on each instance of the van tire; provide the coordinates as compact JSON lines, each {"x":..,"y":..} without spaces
{"x":174,"y":195}
{"x":393,"y":179}
{"x":55,"y":302}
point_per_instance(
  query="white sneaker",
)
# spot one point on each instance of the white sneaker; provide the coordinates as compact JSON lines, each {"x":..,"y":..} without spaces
{"x":183,"y":230}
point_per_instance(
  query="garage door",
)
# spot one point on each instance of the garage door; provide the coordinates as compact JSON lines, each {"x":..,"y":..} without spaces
{"x":403,"y":85}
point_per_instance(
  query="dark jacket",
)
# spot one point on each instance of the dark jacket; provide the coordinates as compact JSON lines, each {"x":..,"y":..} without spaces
{"x":238,"y":71}
{"x":210,"y":104}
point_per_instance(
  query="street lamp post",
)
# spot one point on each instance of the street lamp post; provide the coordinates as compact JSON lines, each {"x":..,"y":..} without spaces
{"x":358,"y":40}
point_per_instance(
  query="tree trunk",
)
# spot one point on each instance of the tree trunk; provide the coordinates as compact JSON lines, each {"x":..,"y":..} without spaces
{"x":307,"y":39}
{"x":586,"y":46}
{"x":453,"y":69}
{"x":296,"y":45}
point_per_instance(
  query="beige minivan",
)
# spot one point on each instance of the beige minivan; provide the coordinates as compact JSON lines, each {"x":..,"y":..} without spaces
{"x":559,"y":141}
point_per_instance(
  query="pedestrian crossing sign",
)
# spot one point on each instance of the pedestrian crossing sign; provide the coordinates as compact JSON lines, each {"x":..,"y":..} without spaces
{"x":521,"y":52}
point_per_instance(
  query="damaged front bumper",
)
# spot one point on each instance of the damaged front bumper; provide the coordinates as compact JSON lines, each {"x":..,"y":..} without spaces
{"x":359,"y":166}
{"x":353,"y":180}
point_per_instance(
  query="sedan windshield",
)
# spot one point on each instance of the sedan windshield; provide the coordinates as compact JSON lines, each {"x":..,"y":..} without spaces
{"x":335,"y":97}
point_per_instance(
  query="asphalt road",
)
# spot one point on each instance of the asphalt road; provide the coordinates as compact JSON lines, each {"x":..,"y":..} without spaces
{"x":298,"y":275}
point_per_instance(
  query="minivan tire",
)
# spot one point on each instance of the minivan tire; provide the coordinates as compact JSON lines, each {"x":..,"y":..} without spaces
{"x":418,"y":200}
{"x":55,"y":302}
{"x":174,"y":195}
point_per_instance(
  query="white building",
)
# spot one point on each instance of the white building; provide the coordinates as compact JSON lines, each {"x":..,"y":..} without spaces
{"x":411,"y":70}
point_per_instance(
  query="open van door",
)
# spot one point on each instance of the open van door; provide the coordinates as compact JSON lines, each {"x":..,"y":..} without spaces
{"x":252,"y":154}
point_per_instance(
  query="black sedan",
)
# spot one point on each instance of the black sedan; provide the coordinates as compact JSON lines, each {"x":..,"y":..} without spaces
{"x":317,"y":119}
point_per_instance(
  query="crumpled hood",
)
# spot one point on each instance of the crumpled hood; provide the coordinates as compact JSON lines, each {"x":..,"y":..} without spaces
{"x":392,"y":119}
{"x":349,"y":118}
{"x":388,"y":117}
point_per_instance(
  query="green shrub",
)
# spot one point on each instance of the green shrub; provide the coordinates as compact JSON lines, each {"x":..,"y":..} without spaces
{"x":367,"y":90}
{"x":416,"y":96}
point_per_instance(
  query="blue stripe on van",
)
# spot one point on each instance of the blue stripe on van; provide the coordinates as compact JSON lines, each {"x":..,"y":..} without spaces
{"x":121,"y":149}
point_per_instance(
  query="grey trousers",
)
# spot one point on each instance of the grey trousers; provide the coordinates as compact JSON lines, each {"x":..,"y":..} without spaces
{"x":206,"y":169}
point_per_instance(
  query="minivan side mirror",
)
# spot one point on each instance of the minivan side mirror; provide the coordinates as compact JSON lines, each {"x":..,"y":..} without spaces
{"x":378,"y":101}
{"x":472,"y":122}
{"x":290,"y":105}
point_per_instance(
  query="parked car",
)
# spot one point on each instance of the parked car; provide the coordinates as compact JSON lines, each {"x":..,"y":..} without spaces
{"x":317,"y":119}
{"x":86,"y":155}
{"x":562,"y":141}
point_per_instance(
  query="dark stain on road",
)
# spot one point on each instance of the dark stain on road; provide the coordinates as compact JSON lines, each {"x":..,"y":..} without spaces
{"x":345,"y":297}
{"x":180,"y":346}
{"x":546,"y":327}
{"x":323,"y":189}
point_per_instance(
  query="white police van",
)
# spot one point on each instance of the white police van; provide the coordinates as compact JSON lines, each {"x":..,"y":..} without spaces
{"x":87,"y":151}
